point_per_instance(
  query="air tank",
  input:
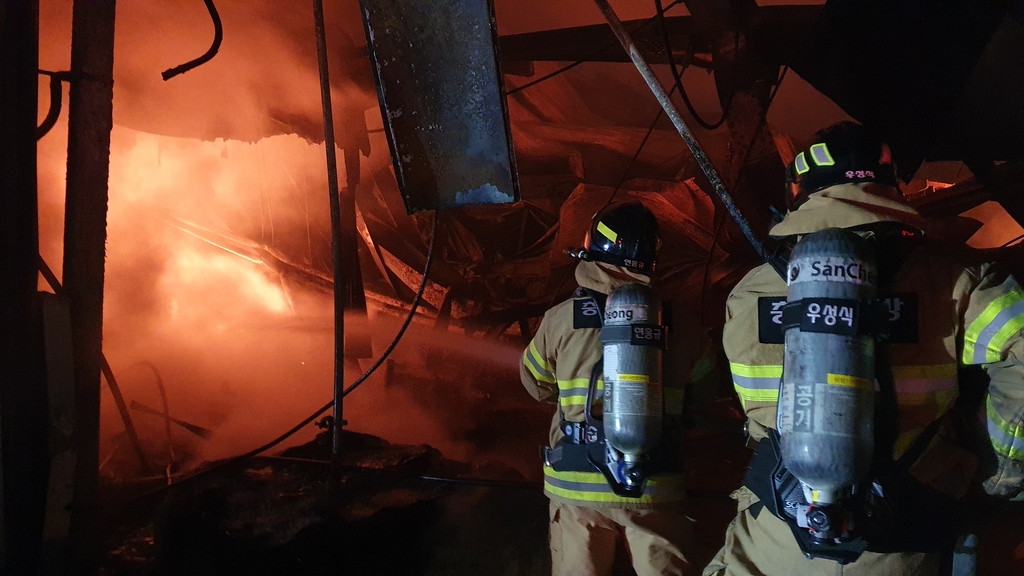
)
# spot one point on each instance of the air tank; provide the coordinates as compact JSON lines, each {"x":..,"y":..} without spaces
{"x":826,"y":399}
{"x":633,"y":338}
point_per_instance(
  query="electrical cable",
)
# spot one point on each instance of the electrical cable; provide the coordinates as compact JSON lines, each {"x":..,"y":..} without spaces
{"x":578,"y":62}
{"x":679,"y":79}
{"x":401,"y":332}
{"x":760,"y":123}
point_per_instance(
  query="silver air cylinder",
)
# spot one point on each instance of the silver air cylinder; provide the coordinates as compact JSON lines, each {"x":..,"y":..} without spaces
{"x":826,"y":400}
{"x":632,"y":370}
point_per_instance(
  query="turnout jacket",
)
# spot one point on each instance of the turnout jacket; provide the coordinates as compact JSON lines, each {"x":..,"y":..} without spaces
{"x":945,"y":312}
{"x":556,"y":368}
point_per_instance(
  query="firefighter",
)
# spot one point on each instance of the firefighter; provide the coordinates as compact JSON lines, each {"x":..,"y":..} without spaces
{"x":946,"y":310}
{"x":587,"y":517}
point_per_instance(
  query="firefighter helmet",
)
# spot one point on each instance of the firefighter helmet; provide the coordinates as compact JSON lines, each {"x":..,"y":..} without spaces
{"x":623,"y":234}
{"x":844,"y":152}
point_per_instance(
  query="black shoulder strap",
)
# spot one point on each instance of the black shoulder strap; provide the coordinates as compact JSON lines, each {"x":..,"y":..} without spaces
{"x":779,"y":260}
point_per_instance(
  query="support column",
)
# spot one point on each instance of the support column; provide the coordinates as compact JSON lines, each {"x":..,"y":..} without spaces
{"x":90,"y":119}
{"x":24,"y":461}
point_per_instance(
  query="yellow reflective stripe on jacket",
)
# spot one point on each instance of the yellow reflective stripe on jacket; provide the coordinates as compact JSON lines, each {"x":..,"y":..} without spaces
{"x":592,"y":487}
{"x":921,"y":385}
{"x":914,"y":384}
{"x":535,"y":363}
{"x":756,"y":383}
{"x":989,"y":332}
{"x":1006,"y":438}
{"x":574,"y":392}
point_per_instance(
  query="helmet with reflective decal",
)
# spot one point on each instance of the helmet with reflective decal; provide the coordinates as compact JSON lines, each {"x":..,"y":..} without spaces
{"x":842,"y":153}
{"x":623,"y":234}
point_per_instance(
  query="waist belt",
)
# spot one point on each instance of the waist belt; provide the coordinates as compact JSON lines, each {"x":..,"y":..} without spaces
{"x":894,"y":513}
{"x":573,"y":452}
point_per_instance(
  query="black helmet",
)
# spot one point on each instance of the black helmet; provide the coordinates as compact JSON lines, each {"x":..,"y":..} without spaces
{"x":844,"y":152}
{"x":624,"y":234}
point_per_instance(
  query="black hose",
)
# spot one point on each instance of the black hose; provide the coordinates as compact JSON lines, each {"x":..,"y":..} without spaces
{"x":464,"y":480}
{"x":218,"y":37}
{"x":412,"y":312}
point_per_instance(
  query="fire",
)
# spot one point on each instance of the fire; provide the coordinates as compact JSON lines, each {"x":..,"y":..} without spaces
{"x":196,"y":270}
{"x":239,"y":349}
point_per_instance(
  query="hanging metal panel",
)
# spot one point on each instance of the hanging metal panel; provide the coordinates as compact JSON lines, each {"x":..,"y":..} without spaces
{"x":442,"y":101}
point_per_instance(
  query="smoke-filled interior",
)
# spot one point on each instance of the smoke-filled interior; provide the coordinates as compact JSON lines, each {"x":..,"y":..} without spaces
{"x":218,"y":252}
{"x":218,"y":308}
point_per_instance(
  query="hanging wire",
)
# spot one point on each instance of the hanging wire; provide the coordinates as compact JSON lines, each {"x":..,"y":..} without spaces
{"x":679,"y":79}
{"x":802,"y":47}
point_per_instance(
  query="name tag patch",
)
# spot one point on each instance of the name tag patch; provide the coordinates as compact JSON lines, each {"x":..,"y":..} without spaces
{"x":585,"y":314}
{"x":648,"y":335}
{"x":769,"y":319}
{"x":838,"y":318}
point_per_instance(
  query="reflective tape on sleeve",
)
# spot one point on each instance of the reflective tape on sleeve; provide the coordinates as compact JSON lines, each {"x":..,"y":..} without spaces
{"x":1007,"y":439}
{"x":756,"y":383}
{"x":536,"y":365}
{"x":574,"y":392}
{"x":989,"y":333}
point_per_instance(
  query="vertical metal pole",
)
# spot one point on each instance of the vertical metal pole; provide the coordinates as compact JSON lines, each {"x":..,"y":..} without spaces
{"x":90,"y":119}
{"x":332,"y":187}
{"x":680,"y":125}
{"x":22,"y":389}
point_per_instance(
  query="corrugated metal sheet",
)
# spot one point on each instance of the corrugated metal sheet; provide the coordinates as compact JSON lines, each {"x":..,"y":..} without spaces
{"x":442,"y":101}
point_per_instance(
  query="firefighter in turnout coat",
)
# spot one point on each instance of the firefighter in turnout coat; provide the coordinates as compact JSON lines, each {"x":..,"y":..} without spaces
{"x":587,"y":517}
{"x":945,"y":312}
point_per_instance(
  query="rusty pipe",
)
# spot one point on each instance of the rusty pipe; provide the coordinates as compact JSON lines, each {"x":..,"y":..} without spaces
{"x":677,"y":120}
{"x":336,"y":256}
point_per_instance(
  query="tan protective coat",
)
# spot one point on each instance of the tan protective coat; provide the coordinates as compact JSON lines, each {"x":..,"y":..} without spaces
{"x":969,"y":313}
